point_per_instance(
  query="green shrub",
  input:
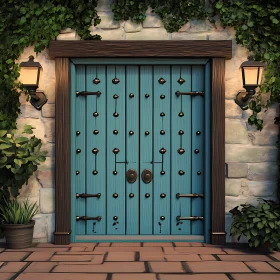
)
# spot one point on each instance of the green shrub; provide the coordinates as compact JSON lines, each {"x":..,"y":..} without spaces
{"x":259,"y":224}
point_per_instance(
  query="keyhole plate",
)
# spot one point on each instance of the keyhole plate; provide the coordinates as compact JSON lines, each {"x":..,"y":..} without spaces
{"x":147,"y":176}
{"x":131,"y":176}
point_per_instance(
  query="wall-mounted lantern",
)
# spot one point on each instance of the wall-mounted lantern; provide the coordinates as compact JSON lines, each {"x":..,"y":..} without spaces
{"x":30,"y":77}
{"x":252,"y":76}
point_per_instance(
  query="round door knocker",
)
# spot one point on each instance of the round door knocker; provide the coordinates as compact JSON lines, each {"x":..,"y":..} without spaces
{"x":131,"y":176}
{"x":147,"y":176}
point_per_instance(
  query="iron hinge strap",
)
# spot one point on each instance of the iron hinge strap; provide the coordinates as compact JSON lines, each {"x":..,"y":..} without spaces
{"x":62,"y":232}
{"x":194,"y":218}
{"x":193,"y":195}
{"x":192,"y":93}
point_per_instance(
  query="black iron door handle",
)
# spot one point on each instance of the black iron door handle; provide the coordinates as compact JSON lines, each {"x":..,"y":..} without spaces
{"x":86,"y":218}
{"x":86,"y":93}
{"x":192,"y":93}
{"x":147,"y":176}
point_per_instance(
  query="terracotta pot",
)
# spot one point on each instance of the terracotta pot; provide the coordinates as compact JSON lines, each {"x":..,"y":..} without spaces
{"x":19,"y":236}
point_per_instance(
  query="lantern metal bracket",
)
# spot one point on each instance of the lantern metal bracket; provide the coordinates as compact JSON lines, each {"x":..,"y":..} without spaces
{"x":38,"y":99}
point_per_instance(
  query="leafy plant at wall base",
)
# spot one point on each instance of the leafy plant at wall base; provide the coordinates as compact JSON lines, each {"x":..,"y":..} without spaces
{"x":19,"y":159}
{"x":12,"y":212}
{"x":260,"y":225}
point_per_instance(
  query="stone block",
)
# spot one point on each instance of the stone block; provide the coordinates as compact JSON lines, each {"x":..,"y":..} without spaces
{"x":233,"y":187}
{"x":50,"y":227}
{"x":232,"y":201}
{"x":49,"y":124}
{"x":152,"y":21}
{"x":50,"y":148}
{"x":131,"y":27}
{"x":107,"y":21}
{"x":104,"y":6}
{"x":68,"y":36}
{"x":49,"y":90}
{"x":188,"y":36}
{"x":237,"y":170}
{"x":267,"y":137}
{"x":28,"y":111}
{"x":46,"y":178}
{"x":22,"y":99}
{"x":233,"y":111}
{"x":263,"y":171}
{"x":32,"y":188}
{"x":236,"y":132}
{"x":40,"y":228}
{"x":220,"y":35}
{"x":47,"y":200}
{"x":48,"y":111}
{"x":47,"y":165}
{"x":200,"y":25}
{"x":118,"y":34}
{"x":249,"y":154}
{"x":185,"y":27}
{"x":148,"y":34}
{"x":66,"y":30}
{"x":262,"y":188}
{"x":39,"y":130}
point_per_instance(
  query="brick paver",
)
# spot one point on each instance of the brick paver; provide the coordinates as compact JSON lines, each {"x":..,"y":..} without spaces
{"x":7,"y":276}
{"x":12,"y":267}
{"x":193,"y":277}
{"x":169,"y":267}
{"x":138,"y":261}
{"x":255,"y":276}
{"x":61,"y":276}
{"x":261,"y":267}
{"x":216,"y":266}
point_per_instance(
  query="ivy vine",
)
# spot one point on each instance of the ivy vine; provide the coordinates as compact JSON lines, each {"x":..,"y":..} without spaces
{"x":36,"y":22}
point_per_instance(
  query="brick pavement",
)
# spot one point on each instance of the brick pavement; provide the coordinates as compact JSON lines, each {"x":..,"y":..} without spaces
{"x":138,"y":261}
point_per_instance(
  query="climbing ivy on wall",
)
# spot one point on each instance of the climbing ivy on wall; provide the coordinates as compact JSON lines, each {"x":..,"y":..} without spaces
{"x":36,"y":22}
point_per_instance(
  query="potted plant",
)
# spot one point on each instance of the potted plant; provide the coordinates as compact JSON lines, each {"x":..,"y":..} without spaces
{"x":260,"y":225}
{"x":17,"y":223}
{"x":19,"y":159}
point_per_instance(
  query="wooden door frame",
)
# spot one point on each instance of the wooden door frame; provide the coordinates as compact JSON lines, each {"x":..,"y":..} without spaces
{"x":62,"y":51}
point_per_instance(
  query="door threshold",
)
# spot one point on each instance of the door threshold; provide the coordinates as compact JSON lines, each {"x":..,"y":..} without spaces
{"x":140,"y":238}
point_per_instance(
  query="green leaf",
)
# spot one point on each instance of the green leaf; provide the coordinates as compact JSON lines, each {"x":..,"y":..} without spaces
{"x":254,"y":231}
{"x":257,"y":242}
{"x":3,"y":160}
{"x":244,"y":27}
{"x":255,"y":220}
{"x":219,"y":5}
{"x":5,"y":146}
{"x":21,"y":140}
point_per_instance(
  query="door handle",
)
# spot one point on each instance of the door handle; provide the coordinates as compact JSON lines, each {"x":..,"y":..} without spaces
{"x":147,"y":176}
{"x":192,"y":93}
{"x":86,"y":93}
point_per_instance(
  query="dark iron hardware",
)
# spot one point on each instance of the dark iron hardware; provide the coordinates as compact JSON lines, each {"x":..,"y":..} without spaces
{"x":115,"y":132}
{"x":115,"y":195}
{"x":181,"y":114}
{"x":94,"y":172}
{"x":131,"y":176}
{"x":147,"y":176}
{"x":181,"y":81}
{"x":198,"y":173}
{"x":162,"y":96}
{"x":131,"y":95}
{"x":131,"y":195}
{"x":131,"y":132}
{"x":116,"y":114}
{"x":192,"y":93}
{"x":77,"y":172}
{"x":78,"y":151}
{"x":196,"y":151}
{"x":95,"y":132}
{"x":163,"y":195}
{"x":115,"y":218}
{"x":162,"y":172}
{"x":86,"y":218}
{"x":147,"y":95}
{"x":147,"y":195}
{"x":181,"y":132}
{"x":162,"y":114}
{"x":95,"y":114}
{"x":180,"y":151}
{"x":198,"y":133}
{"x":115,"y":81}
{"x":162,"y":132}
{"x":147,"y":133}
{"x":96,"y":81}
{"x":162,"y":218}
{"x":178,"y":218}
{"x":95,"y":151}
{"x":115,"y":96}
{"x":86,"y":93}
{"x":192,"y":195}
{"x":162,"y":151}
{"x":181,"y":172}
{"x":85,"y":195}
{"x":161,"y":81}
{"x":78,"y":133}
{"x":115,"y":172}
{"x":116,"y":151}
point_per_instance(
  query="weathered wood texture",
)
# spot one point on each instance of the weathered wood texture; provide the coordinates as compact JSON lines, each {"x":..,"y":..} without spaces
{"x":218,"y":151}
{"x":155,"y":48}
{"x":62,"y":152}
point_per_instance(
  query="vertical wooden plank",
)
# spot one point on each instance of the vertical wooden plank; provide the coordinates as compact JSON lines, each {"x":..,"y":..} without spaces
{"x":218,"y":151}
{"x":207,"y":154}
{"x":146,"y":147}
{"x":198,"y":81}
{"x":132,"y":148}
{"x":180,"y":182}
{"x":162,"y":161}
{"x":116,"y":183}
{"x":96,"y":162}
{"x":80,"y":144}
{"x":62,"y":151}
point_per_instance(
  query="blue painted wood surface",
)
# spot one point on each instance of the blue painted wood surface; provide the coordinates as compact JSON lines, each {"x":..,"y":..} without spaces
{"x":139,"y":214}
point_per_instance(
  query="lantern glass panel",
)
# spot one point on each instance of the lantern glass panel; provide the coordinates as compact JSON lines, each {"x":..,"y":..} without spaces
{"x":251,"y":75}
{"x":29,"y":75}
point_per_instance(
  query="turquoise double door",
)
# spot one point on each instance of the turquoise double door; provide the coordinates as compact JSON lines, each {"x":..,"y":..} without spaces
{"x":140,"y":149}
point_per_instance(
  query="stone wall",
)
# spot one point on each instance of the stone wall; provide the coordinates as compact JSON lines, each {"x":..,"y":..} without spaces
{"x":251,"y":156}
